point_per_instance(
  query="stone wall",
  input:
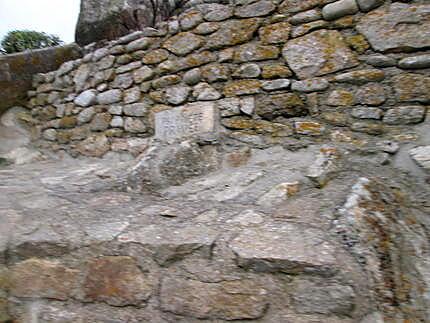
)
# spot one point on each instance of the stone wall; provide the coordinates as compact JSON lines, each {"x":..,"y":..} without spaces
{"x":17,"y":70}
{"x":276,"y":72}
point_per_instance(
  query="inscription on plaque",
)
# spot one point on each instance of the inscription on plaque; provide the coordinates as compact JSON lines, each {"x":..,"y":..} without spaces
{"x":197,"y":118}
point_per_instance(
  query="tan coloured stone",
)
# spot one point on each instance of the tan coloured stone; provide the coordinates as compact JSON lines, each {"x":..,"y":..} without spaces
{"x":94,"y":146}
{"x":183,"y":43}
{"x":309,"y":128}
{"x":284,"y":104}
{"x":360,"y":76}
{"x":340,"y":98}
{"x":318,"y":53}
{"x":255,"y":52}
{"x":188,"y":62}
{"x":412,"y":87}
{"x":275,"y":71}
{"x":156,"y":56}
{"x":275,"y":33}
{"x":227,"y":300}
{"x":397,"y":27}
{"x":43,"y":279}
{"x":233,"y":32}
{"x":242,"y":87}
{"x":117,"y":281}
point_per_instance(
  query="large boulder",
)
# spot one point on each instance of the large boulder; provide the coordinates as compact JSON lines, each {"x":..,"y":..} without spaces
{"x":109,"y":19}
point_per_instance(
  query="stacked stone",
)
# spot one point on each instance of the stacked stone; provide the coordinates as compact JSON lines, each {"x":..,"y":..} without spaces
{"x":274,"y":70}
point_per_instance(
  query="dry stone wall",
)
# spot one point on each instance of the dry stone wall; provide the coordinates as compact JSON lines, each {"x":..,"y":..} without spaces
{"x":266,"y":72}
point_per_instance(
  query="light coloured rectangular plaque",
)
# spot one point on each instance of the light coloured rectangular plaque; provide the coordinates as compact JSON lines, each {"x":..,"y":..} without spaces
{"x":198,"y":118}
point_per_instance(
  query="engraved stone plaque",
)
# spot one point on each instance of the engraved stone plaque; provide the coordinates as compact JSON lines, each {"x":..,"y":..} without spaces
{"x":198,"y":118}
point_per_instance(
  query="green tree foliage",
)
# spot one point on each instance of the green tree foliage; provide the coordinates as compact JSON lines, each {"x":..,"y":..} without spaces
{"x":21,"y":40}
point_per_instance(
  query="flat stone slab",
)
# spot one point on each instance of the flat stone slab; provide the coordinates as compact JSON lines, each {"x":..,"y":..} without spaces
{"x":169,"y":243}
{"x":397,"y":28}
{"x":199,"y":118}
{"x":421,"y":155}
{"x":288,"y":248}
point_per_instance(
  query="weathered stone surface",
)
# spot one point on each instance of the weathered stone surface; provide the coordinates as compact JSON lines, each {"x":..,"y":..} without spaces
{"x":205,"y":92}
{"x":132,"y":95}
{"x":100,"y":122}
{"x":215,"y":72}
{"x":170,"y":244}
{"x":49,"y":279}
{"x":274,"y":85}
{"x":192,"y":77}
{"x":86,"y":115}
{"x":319,"y":53}
{"x":106,"y":62}
{"x":117,"y":122}
{"x":308,"y":128}
{"x":227,"y":300}
{"x":405,"y":115}
{"x":412,"y":87}
{"x":414,"y":62}
{"x":367,"y":5}
{"x":242,"y":87}
{"x":94,"y":146}
{"x":367,"y":113}
{"x":233,"y":32}
{"x":206,"y":28}
{"x":177,"y":94}
{"x":249,"y":70}
{"x":293,"y":6}
{"x":155,"y":56}
{"x":275,"y":33}
{"x":117,"y":281}
{"x":340,"y":98}
{"x":128,"y":67}
{"x":371,"y":94}
{"x":275,"y":71}
{"x":306,"y":16}
{"x":310,"y":85}
{"x":367,"y":127}
{"x":324,"y":298}
{"x":288,"y":248}
{"x":229,"y":107}
{"x":138,"y":44}
{"x":379,"y":60}
{"x":123,"y":81}
{"x":380,"y":27}
{"x":165,"y":81}
{"x":190,"y":61}
{"x":339,"y":9}
{"x":309,"y":27}
{"x":360,"y":76}
{"x":285,"y":104}
{"x":190,"y":19}
{"x":134,"y":125}
{"x":136,"y":109}
{"x":86,"y":98}
{"x":109,"y":97}
{"x":183,"y":43}
{"x":421,"y":155}
{"x":256,"y":9}
{"x":324,"y":167}
{"x":255,"y":52}
{"x":192,"y":119}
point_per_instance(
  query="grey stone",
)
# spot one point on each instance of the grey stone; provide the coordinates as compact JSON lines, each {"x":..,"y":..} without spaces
{"x":421,"y":155}
{"x":65,"y":68}
{"x":256,"y":9}
{"x":360,"y":76}
{"x":134,"y":125}
{"x":324,"y":167}
{"x":132,"y":95}
{"x":109,"y":97}
{"x":367,"y":5}
{"x":143,"y":74}
{"x":390,"y":147}
{"x":94,"y":146}
{"x":183,"y":43}
{"x":310,"y":85}
{"x":177,"y":94}
{"x":247,"y":105}
{"x":86,"y":115}
{"x":216,"y":12}
{"x":250,"y":70}
{"x":197,"y":118}
{"x":233,"y":32}
{"x":115,"y":109}
{"x":106,"y":62}
{"x":380,"y":27}
{"x":263,"y":249}
{"x":206,"y":28}
{"x":339,"y":9}
{"x":127,"y":68}
{"x":421,"y":61}
{"x":117,"y":122}
{"x":81,"y":77}
{"x":229,"y":107}
{"x":205,"y":92}
{"x":123,"y":81}
{"x":367,"y":113}
{"x":50,"y":134}
{"x":190,"y":19}
{"x":192,"y":77}
{"x":86,"y":98}
{"x":273,"y":85}
{"x":309,"y":27}
{"x":318,"y":53}
{"x":411,"y":87}
{"x":215,"y":72}
{"x":371,"y":94}
{"x":138,"y":44}
{"x":171,"y":243}
{"x":99,"y":54}
{"x":311,"y":297}
{"x":379,"y":60}
{"x":306,"y":16}
{"x":135,"y":109}
{"x":405,"y":115}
